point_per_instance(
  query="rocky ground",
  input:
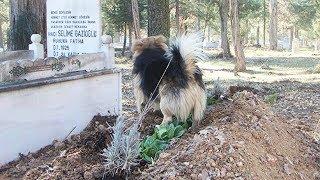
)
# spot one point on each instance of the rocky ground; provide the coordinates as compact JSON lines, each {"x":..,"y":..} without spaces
{"x":246,"y":136}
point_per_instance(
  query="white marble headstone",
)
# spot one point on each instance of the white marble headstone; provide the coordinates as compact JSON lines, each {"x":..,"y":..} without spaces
{"x":73,"y":27}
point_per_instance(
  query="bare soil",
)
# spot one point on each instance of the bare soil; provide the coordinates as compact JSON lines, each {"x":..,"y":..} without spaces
{"x":239,"y":139}
{"x":77,"y":157}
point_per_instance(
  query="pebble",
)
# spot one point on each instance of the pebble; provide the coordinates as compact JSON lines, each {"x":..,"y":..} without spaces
{"x":286,"y":169}
{"x":164,"y":155}
{"x":239,"y":164}
{"x":194,"y":176}
{"x":213,"y":164}
{"x":223,"y":172}
{"x":271,"y":159}
{"x":230,"y":174}
{"x":238,"y":144}
{"x":186,"y":163}
{"x":205,"y":175}
{"x":102,"y":129}
{"x":231,"y":150}
{"x":239,"y":178}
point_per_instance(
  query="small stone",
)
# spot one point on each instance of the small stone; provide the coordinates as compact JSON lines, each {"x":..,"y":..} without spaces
{"x":271,"y":159}
{"x":208,"y":165}
{"x":286,"y":169}
{"x":186,"y":163}
{"x":164,"y":155}
{"x":230,"y":174}
{"x":223,"y":172}
{"x":239,"y":178}
{"x":238,"y":144}
{"x":102,"y":128}
{"x":231,"y":150}
{"x":205,"y":175}
{"x":193,"y":176}
{"x":231,"y":159}
{"x":58,"y":144}
{"x":213,"y":164}
{"x":239,"y":164}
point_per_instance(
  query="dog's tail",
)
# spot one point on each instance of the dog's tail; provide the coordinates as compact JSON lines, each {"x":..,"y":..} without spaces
{"x":184,"y":52}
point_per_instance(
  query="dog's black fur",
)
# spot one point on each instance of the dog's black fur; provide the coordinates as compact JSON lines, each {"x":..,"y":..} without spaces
{"x":152,"y":63}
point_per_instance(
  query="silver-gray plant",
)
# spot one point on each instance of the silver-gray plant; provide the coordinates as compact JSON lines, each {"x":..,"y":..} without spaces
{"x":218,"y":89}
{"x":123,"y":152}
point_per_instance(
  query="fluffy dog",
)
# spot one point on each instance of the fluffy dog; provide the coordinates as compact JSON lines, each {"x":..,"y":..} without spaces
{"x":170,"y":76}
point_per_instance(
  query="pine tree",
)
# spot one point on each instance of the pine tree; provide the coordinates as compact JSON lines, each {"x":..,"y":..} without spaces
{"x":27,"y":17}
{"x":158,"y":18}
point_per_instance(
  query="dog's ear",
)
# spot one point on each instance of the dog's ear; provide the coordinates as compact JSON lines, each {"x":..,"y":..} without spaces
{"x":160,"y":39}
{"x":137,"y":44}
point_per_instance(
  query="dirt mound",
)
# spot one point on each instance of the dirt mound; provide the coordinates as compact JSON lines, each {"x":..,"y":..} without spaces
{"x":77,"y":157}
{"x":240,"y":139}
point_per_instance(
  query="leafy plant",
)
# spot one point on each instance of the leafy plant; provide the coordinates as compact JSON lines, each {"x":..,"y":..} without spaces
{"x":272,"y":99}
{"x":152,"y":146}
{"x":211,"y":100}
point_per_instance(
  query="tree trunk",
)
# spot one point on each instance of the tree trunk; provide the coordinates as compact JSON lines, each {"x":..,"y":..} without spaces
{"x":158,"y":18}
{"x":1,"y":35}
{"x":124,"y":39}
{"x":130,"y":35}
{"x":258,"y":36}
{"x":240,"y":64}
{"x":177,"y":4}
{"x":136,"y":18}
{"x":273,"y":37}
{"x":223,"y":11}
{"x":264,"y":22}
{"x":198,"y":25}
{"x":27,"y":17}
{"x":291,"y":31}
{"x":246,"y":35}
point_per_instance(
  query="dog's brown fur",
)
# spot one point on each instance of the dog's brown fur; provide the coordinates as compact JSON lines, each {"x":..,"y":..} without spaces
{"x":149,"y":42}
{"x":192,"y":98}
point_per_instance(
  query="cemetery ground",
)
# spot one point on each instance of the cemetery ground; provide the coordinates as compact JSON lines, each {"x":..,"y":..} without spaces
{"x":267,"y":127}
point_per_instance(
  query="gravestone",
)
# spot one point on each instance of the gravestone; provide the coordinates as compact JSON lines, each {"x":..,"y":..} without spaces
{"x":73,"y":27}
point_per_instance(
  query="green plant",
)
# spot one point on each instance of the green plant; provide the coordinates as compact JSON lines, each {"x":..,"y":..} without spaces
{"x":152,"y":146}
{"x":272,"y":98}
{"x":212,"y":100}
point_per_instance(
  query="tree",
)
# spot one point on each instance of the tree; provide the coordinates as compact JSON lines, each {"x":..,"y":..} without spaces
{"x":240,"y":64}
{"x":177,"y":15}
{"x":223,"y":12}
{"x":136,"y":18}
{"x":158,"y":18}
{"x":264,"y":22}
{"x":119,"y":14}
{"x":1,"y":34}
{"x":3,"y":18}
{"x":27,"y":17}
{"x":273,"y":32}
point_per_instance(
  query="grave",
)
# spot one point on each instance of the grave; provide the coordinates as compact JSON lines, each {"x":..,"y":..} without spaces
{"x":74,"y":27}
{"x":44,"y":96}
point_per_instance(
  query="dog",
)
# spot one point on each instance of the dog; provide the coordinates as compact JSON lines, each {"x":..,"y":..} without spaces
{"x":169,"y":76}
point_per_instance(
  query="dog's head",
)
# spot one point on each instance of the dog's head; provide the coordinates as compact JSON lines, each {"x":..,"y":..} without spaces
{"x":149,"y":42}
